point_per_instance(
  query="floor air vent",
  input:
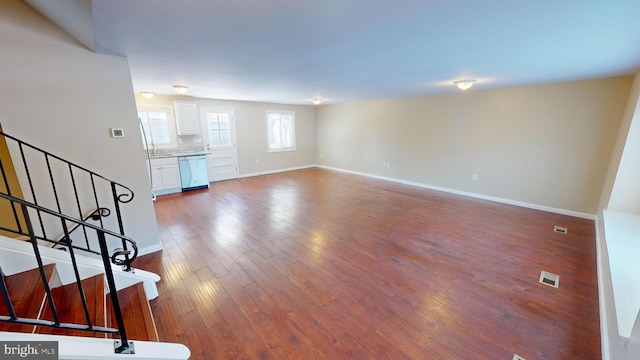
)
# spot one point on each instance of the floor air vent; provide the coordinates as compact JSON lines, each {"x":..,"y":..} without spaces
{"x":550,"y":279}
{"x":560,"y":229}
{"x":518,"y":357}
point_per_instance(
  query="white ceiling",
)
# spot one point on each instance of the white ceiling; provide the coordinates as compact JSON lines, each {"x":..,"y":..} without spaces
{"x":290,"y":51}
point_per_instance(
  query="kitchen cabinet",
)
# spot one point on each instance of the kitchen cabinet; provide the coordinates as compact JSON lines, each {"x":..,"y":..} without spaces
{"x":166,"y":176}
{"x":187,"y":119}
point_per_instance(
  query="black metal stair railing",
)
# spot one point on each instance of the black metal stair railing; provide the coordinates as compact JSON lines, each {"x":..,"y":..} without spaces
{"x":102,"y":234}
{"x":95,"y":216}
{"x":58,"y":188}
{"x":68,"y":188}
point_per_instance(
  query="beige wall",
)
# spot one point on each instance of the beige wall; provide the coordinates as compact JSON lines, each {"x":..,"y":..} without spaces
{"x":547,"y":145}
{"x":251,"y":133}
{"x":625,"y":195}
{"x":58,"y":95}
{"x":607,"y":200}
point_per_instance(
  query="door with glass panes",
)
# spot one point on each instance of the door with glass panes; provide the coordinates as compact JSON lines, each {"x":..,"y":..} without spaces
{"x":220,"y":136}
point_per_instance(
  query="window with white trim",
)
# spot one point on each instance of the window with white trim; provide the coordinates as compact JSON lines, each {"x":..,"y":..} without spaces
{"x":158,"y":125}
{"x":281,"y":130}
{"x":219,"y":129}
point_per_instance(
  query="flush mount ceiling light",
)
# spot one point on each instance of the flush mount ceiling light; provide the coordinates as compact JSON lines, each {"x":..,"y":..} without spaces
{"x":147,"y":94}
{"x":464,"y":84}
{"x":180,"y":89}
{"x":317,"y":101}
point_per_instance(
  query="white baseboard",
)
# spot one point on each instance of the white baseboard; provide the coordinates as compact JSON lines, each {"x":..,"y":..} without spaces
{"x":167,"y":191}
{"x":602,"y":300}
{"x":268,"y":172}
{"x":150,"y":249}
{"x":469,"y":194}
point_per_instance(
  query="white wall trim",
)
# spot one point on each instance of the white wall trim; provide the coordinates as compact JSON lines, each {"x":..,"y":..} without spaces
{"x":604,"y":319}
{"x":150,"y":249}
{"x":168,"y":191}
{"x":268,"y":172}
{"x":469,"y":194}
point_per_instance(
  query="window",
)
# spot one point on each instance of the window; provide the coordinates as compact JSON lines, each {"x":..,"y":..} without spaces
{"x":281,"y":130}
{"x":158,"y":126}
{"x":218,"y":125}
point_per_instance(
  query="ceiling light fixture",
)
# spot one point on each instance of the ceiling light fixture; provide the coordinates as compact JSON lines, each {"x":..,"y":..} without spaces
{"x":181,"y":89}
{"x":147,"y":94}
{"x":464,"y":84}
{"x":317,"y":101}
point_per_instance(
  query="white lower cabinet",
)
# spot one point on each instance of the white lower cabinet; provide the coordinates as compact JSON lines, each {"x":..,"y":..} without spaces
{"x":165,"y":176}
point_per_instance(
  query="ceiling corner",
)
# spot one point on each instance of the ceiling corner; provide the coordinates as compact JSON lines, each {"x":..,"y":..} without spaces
{"x":73,"y":16}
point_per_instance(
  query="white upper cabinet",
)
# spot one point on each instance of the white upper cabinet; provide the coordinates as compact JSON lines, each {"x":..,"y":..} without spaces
{"x":187,"y":119}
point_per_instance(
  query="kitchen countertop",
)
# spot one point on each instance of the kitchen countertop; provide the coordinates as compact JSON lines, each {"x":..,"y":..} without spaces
{"x":179,"y":153}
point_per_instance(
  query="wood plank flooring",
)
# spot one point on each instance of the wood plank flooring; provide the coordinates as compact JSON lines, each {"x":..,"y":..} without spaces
{"x":317,"y":264}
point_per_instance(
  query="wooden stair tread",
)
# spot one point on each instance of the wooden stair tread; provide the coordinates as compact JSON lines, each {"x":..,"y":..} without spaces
{"x":68,"y":304}
{"x":27,"y":295}
{"x":28,"y":298}
{"x":138,"y":319}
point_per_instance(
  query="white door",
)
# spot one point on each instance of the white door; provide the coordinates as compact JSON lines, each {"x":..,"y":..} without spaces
{"x":220,"y":136}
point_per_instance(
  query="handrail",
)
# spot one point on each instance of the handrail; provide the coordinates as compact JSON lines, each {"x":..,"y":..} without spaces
{"x":71,"y":219}
{"x":78,"y":179}
{"x":68,"y":162}
{"x":124,"y":345}
{"x":86,"y":187}
{"x":95,"y":215}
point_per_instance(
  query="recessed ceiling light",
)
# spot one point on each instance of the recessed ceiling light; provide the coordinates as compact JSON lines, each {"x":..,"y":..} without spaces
{"x":147,"y":94}
{"x":464,"y":84}
{"x":180,"y":89}
{"x":317,"y":101}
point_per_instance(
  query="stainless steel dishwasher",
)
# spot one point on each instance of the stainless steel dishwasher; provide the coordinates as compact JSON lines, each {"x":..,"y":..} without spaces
{"x":193,"y":172}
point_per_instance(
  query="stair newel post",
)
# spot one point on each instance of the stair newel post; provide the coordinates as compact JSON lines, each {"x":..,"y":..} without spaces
{"x":36,"y":252}
{"x":116,"y":204}
{"x":123,"y":346}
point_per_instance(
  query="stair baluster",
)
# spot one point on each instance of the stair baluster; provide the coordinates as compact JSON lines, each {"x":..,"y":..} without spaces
{"x":95,"y":188}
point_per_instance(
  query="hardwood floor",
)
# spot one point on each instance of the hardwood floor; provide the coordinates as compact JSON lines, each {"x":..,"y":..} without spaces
{"x":317,"y":264}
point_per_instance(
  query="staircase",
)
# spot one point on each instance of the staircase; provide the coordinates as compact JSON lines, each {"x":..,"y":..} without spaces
{"x":72,"y":281}
{"x":29,"y":301}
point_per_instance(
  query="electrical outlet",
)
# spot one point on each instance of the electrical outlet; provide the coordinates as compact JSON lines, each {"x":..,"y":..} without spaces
{"x":257,"y":161}
{"x":474,"y":177}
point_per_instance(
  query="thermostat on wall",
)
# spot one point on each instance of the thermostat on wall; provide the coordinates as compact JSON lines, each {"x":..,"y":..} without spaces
{"x":117,"y":132}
